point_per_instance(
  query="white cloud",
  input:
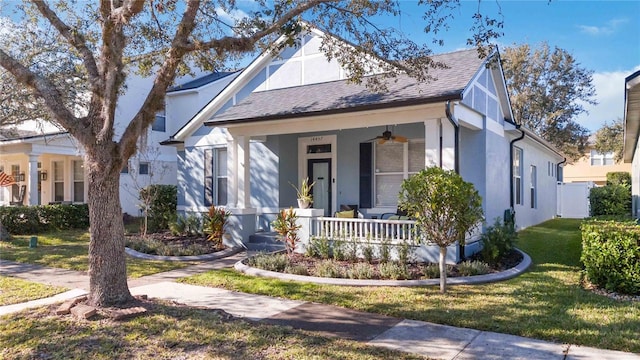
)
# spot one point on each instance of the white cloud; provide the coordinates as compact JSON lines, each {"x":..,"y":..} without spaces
{"x":609,"y":28}
{"x":610,"y":96}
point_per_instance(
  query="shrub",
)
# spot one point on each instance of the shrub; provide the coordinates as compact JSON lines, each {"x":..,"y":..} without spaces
{"x":328,"y":268}
{"x":405,"y":252}
{"x":431,"y":270}
{"x":611,"y":255}
{"x":361,"y":271}
{"x":157,"y":247}
{"x":338,"y":250}
{"x":385,"y":250}
{"x":471,"y":268}
{"x":189,"y":225}
{"x":269,"y":262}
{"x":497,"y":242}
{"x":610,"y":200}
{"x":161,"y":202}
{"x":215,"y":223}
{"x":319,"y":247}
{"x":21,"y":220}
{"x":296,"y":269}
{"x":287,"y":228}
{"x":394,"y":271}
{"x":367,"y":252}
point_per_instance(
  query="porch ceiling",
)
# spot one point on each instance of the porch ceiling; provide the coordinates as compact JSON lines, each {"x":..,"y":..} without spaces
{"x":632,"y":115}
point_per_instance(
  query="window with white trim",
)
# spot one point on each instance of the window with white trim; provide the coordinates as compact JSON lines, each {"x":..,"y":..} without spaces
{"x":534,"y":187}
{"x":517,"y":175}
{"x":215,"y":176}
{"x":160,"y":123}
{"x":58,"y":181}
{"x":78,"y":181}
{"x":394,"y":162}
{"x":143,"y":168}
{"x":15,"y":188}
{"x":600,"y":159}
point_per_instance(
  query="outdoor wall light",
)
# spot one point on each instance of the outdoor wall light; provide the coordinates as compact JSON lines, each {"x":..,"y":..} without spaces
{"x":43,"y":175}
{"x":20,"y":177}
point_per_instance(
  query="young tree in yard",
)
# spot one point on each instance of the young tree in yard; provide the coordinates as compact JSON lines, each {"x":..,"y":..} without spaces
{"x":548,"y":88}
{"x":446,"y":209}
{"x":610,"y":138}
{"x":99,"y":40}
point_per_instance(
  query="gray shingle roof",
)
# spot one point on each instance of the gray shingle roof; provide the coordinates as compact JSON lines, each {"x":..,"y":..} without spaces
{"x":201,"y":81}
{"x":339,"y":96}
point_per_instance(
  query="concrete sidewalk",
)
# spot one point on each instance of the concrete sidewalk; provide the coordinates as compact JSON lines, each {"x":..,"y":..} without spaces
{"x":418,"y":337}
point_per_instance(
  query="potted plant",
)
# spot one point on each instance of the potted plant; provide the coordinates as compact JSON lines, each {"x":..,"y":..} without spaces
{"x":304,"y":193}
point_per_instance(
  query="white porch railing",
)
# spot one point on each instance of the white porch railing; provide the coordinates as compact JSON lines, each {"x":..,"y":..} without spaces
{"x":363,"y":230}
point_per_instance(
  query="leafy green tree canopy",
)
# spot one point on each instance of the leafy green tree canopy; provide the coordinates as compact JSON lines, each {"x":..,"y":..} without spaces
{"x":446,"y":208}
{"x":548,"y":89}
{"x":610,"y":138}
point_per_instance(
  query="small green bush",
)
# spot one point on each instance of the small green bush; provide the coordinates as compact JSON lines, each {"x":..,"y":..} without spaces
{"x":157,"y":247}
{"x":611,"y":255}
{"x":431,"y":270}
{"x":405,"y":252}
{"x":361,"y":271}
{"x":296,"y":269}
{"x":471,"y":268}
{"x":189,"y":225}
{"x":319,"y":246}
{"x":385,"y":250}
{"x":367,"y":252}
{"x":394,"y":271}
{"x":497,"y":242}
{"x":610,"y":200}
{"x":338,"y":250}
{"x":329,"y":269}
{"x":161,"y":202}
{"x":269,"y":262}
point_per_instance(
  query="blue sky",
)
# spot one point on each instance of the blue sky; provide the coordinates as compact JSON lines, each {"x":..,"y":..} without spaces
{"x":603,"y":36}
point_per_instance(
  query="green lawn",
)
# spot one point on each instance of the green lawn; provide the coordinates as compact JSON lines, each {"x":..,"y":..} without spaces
{"x":547,"y":302}
{"x":14,"y":291}
{"x":68,"y":249}
{"x":169,"y":332}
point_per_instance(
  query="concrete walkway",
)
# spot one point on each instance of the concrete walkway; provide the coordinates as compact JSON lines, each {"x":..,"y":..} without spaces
{"x":418,"y":337}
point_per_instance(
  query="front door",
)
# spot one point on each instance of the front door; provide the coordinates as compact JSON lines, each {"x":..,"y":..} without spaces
{"x":320,"y":173}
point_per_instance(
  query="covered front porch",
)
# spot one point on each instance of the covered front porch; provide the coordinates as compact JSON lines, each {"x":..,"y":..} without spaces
{"x":349,"y":162}
{"x":46,"y":169}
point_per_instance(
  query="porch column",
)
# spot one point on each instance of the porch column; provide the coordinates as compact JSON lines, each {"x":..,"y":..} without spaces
{"x":244,"y":177}
{"x":32,"y":180}
{"x":432,"y":130}
{"x":439,"y":144}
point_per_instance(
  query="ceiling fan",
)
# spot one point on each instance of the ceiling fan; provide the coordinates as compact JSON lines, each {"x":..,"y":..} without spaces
{"x":387,"y":135}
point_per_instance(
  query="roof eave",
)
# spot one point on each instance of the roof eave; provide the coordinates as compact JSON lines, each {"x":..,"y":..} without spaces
{"x":376,"y":106}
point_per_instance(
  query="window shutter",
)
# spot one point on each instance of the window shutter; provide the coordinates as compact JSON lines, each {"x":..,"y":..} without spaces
{"x":366,"y":173}
{"x":208,"y":177}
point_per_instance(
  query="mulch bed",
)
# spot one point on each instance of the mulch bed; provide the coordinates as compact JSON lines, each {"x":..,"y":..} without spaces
{"x":180,"y":241}
{"x":415,"y":269}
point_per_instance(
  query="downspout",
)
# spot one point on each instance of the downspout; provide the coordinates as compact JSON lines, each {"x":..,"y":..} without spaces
{"x":456,"y":139}
{"x":456,"y":161}
{"x":511,"y":164}
{"x":558,"y":168}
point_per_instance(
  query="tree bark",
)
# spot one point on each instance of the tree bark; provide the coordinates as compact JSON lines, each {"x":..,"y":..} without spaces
{"x":443,"y":269}
{"x":107,"y":262}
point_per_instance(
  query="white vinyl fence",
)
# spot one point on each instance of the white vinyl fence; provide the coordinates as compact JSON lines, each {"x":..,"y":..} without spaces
{"x":573,"y":200}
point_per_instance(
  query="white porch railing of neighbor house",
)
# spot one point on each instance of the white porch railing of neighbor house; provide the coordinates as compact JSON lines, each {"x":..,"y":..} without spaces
{"x":363,"y":230}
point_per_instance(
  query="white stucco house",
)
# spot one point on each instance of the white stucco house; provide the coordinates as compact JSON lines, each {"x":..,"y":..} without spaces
{"x":293,"y":115}
{"x":631,"y":135}
{"x":47,"y":162}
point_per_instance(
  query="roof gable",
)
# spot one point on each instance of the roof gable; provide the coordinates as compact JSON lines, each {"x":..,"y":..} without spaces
{"x":336,"y":96}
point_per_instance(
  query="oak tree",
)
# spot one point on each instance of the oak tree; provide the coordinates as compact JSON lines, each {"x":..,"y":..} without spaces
{"x":610,"y":138}
{"x":99,"y":43}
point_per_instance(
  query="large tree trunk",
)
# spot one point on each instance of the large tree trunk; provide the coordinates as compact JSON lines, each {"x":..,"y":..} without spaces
{"x":107,"y":265}
{"x":443,"y":269}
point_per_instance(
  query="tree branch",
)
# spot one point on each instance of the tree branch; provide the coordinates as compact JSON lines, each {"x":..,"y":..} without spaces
{"x":76,"y":39}
{"x":49,"y":94}
{"x":129,"y":9}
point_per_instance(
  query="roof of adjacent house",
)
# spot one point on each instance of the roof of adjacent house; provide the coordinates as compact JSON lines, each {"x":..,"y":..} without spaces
{"x":201,"y":81}
{"x":341,"y":96}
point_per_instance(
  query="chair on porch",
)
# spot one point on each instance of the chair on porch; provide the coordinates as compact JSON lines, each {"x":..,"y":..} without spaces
{"x":347,"y":211}
{"x":398,"y":215}
{"x":20,"y":202}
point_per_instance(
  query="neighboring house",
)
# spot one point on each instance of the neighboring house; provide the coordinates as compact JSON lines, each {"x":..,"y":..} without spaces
{"x":631,"y":134}
{"x":293,"y":115}
{"x":593,"y":167}
{"x":48,"y":166}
